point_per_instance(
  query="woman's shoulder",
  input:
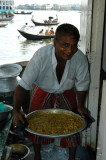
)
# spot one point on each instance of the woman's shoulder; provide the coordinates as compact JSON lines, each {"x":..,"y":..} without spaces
{"x":80,"y":55}
{"x":44,"y":51}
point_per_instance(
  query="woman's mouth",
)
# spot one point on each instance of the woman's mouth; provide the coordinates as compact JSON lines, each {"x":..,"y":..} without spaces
{"x":67,"y":54}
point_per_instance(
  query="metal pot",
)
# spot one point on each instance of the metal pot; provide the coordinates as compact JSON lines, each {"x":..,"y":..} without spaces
{"x":5,"y":113}
{"x":9,"y":77}
{"x":8,"y":84}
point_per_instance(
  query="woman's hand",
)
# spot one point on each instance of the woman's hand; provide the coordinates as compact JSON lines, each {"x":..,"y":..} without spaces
{"x":16,"y":117}
{"x":82,"y":111}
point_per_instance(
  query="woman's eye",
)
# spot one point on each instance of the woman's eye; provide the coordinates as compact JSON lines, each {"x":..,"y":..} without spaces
{"x":65,"y":44}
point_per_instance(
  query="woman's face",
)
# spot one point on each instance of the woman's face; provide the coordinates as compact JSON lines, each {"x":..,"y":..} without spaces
{"x":65,"y":47}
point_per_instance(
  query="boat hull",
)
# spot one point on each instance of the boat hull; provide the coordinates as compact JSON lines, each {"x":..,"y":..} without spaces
{"x":22,"y":12}
{"x":6,"y":19}
{"x":29,"y":36}
{"x":44,"y":24}
{"x":3,"y":25}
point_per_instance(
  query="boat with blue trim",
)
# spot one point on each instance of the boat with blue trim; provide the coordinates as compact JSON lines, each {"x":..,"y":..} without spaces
{"x":6,"y":10}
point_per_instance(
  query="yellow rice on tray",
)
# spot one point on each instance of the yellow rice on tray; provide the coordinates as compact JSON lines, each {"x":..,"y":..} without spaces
{"x":55,"y":123}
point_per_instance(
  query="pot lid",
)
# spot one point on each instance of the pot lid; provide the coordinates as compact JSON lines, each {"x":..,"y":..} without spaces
{"x":10,"y":70}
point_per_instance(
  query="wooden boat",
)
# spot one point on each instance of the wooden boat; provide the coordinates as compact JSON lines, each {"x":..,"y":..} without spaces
{"x":22,"y":12}
{"x":45,"y":24}
{"x":3,"y":25}
{"x":30,"y":36}
{"x":6,"y":10}
{"x":6,"y":19}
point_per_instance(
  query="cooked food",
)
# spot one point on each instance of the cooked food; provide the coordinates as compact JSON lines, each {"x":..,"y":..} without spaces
{"x":54,"y":123}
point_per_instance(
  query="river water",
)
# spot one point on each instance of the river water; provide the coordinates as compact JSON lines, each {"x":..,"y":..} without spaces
{"x":15,"y":48}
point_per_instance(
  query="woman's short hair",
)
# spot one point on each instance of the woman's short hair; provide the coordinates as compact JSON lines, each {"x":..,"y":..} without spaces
{"x":68,"y":29}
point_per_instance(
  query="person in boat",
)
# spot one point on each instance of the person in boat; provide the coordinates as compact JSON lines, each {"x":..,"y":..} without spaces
{"x":24,"y":27}
{"x":47,"y":32}
{"x":52,"y":31}
{"x":32,"y":18}
{"x":45,"y":21}
{"x":56,"y":19}
{"x":49,"y":21}
{"x":41,"y":32}
{"x":6,"y":14}
{"x":58,"y":76}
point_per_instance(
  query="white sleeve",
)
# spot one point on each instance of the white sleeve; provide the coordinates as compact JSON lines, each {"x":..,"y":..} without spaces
{"x":30,"y":74}
{"x":82,"y":75}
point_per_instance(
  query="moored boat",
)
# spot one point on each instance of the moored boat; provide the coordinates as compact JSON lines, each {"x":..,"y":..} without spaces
{"x":3,"y":24}
{"x":6,"y":18}
{"x":22,"y":12}
{"x":6,"y":10}
{"x":30,"y":36}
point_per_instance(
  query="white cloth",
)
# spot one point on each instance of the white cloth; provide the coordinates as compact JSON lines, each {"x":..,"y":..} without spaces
{"x":23,"y":27}
{"x":41,"y":70}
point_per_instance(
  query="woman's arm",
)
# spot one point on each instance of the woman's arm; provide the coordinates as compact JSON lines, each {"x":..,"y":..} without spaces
{"x":19,"y":98}
{"x":80,"y":102}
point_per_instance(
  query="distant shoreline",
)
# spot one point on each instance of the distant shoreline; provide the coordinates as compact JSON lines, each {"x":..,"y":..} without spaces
{"x":55,"y":7}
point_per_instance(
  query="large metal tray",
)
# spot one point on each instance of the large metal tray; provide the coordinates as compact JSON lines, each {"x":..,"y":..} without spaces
{"x":54,"y":111}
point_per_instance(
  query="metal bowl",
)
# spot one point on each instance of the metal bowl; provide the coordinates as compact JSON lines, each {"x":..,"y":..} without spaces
{"x":19,"y":150}
{"x":5,"y":113}
{"x":55,"y":111}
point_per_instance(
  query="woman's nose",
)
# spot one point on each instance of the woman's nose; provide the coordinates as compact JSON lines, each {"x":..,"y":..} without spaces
{"x":68,"y":50}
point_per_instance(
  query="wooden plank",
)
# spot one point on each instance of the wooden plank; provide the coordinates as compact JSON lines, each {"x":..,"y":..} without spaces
{"x":95,"y":65}
{"x":101,"y":145}
{"x":92,"y":21}
{"x":85,"y":46}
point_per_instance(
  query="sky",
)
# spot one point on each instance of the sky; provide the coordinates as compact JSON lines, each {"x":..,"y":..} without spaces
{"x":17,"y":2}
